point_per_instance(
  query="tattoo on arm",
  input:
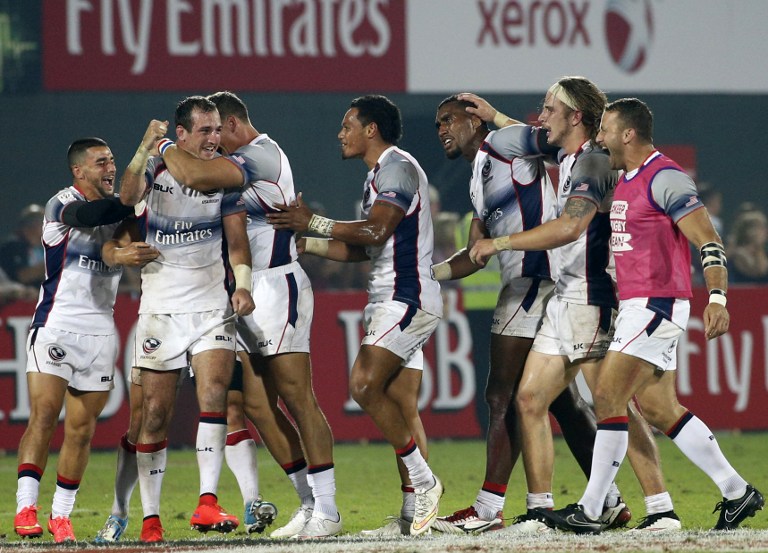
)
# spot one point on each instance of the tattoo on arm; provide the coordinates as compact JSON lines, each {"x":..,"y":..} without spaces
{"x":578,"y":208}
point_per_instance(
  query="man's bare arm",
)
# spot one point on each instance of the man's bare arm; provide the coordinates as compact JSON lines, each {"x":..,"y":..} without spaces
{"x":576,"y":216}
{"x":200,"y":174}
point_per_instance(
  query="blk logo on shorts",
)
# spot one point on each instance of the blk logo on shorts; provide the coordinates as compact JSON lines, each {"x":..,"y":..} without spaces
{"x":150,"y":345}
{"x":56,"y":353}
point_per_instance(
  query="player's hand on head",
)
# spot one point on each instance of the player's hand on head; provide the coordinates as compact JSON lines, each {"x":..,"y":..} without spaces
{"x":242,"y":302}
{"x":716,"y":320}
{"x":483,"y":109}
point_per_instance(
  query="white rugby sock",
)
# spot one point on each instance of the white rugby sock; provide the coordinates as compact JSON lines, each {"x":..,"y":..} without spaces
{"x":126,"y":477}
{"x":240,"y":454}
{"x":210,"y":443}
{"x":696,"y":441}
{"x":611,"y":442}
{"x":27,"y":485}
{"x":488,"y":504}
{"x":418,"y":470}
{"x":659,"y":503}
{"x":539,"y":501}
{"x":296,"y":471}
{"x":151,"y":461}
{"x":64,"y":497}
{"x":408,"y":509}
{"x":612,"y":499}
{"x":323,"y":480}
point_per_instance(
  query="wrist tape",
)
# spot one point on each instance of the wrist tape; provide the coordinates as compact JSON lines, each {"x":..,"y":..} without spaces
{"x":321,"y":225}
{"x":242,"y":277}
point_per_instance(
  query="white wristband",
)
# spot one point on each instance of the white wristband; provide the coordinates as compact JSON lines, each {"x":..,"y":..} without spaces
{"x":316,"y":246}
{"x":717,"y":297}
{"x":242,"y":277}
{"x":441,"y":271}
{"x":321,"y":225}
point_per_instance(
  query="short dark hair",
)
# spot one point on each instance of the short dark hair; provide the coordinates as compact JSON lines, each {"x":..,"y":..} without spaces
{"x":454,"y":99}
{"x":375,"y":108}
{"x":635,"y":114}
{"x":188,"y":105}
{"x":228,"y":104}
{"x":589,"y":100}
{"x":77,"y":149}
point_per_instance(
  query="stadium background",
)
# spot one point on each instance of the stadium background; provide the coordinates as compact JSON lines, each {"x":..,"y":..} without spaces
{"x":72,"y":68}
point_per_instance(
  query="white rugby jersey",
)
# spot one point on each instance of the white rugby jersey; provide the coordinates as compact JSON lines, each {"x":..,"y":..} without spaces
{"x":586,"y":271}
{"x":78,"y":293}
{"x":185,"y":226}
{"x":400,"y":268}
{"x":268,"y":180}
{"x":511,"y":192}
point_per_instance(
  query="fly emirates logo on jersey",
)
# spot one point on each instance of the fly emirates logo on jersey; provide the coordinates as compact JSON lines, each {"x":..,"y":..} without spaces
{"x":182,"y":233}
{"x":620,"y":238}
{"x":238,"y":44}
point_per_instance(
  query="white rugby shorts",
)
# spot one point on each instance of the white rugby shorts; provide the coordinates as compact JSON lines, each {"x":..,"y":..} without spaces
{"x":520,"y":308}
{"x":164,"y":342}
{"x":649,"y":329}
{"x":282,"y":319}
{"x":400,"y":328}
{"x":574,"y":330}
{"x":85,"y":361}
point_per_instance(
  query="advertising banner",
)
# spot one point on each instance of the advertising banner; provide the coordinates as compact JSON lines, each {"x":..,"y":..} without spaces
{"x":503,"y":46}
{"x":514,"y":46}
{"x":244,"y":45}
{"x":725,"y":381}
{"x":448,"y":391}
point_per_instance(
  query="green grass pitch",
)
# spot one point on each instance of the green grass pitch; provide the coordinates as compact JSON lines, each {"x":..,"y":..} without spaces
{"x":368,"y":487}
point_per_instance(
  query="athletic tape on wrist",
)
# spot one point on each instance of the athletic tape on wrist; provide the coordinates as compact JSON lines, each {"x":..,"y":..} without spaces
{"x":716,"y":295}
{"x":501,"y":243}
{"x":713,"y":255}
{"x":321,"y":225}
{"x":500,"y":119}
{"x":441,"y":271}
{"x":316,"y":246}
{"x":139,"y":162}
{"x":242,"y":277}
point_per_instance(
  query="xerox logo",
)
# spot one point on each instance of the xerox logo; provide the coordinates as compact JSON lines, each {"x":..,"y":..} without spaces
{"x":628,"y":26}
{"x":150,"y":345}
{"x":629,"y":32}
{"x":520,"y":23}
